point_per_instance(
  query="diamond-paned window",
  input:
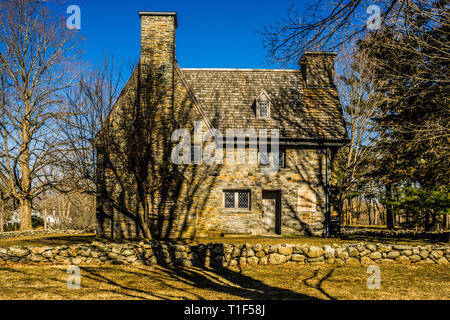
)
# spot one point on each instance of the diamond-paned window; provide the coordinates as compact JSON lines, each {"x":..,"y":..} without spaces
{"x":229,"y":199}
{"x":243,"y":199}
{"x":239,"y":199}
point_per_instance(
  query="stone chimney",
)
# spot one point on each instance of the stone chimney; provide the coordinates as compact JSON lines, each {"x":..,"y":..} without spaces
{"x":318,"y":69}
{"x":157,"y":59}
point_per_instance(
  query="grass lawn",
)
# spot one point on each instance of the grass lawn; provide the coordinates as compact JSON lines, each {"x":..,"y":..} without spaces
{"x":315,"y":241}
{"x":283,"y":282}
{"x":49,"y":240}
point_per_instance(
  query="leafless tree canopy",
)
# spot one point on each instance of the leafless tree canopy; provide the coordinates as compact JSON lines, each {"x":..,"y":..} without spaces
{"x":37,"y":52}
{"x":327,"y":25}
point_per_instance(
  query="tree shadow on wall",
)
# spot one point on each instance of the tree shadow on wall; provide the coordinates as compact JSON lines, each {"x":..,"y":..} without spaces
{"x":142,"y":192}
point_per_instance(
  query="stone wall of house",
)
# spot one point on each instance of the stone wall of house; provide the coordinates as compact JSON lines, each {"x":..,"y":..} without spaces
{"x":192,"y":203}
{"x":226,"y":255}
{"x":304,"y":172}
{"x":145,"y":102}
{"x":187,"y":200}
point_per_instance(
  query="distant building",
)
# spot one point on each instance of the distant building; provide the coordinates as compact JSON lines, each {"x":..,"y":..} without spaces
{"x":50,"y":218}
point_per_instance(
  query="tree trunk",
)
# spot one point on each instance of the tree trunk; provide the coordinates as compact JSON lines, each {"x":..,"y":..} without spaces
{"x":433,"y":222}
{"x":145,"y":229}
{"x":45,"y":217}
{"x":2,"y":221}
{"x":340,"y":210}
{"x":25,"y":215}
{"x":375,"y":211}
{"x":389,"y":208}
{"x":427,"y":220}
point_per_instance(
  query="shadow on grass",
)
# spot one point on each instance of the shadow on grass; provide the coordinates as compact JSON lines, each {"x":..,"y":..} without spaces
{"x":158,"y":282}
{"x":320,"y":280}
{"x":213,"y":280}
{"x":50,"y":241}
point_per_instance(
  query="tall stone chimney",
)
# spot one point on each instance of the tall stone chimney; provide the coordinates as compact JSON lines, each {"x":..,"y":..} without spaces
{"x":157,"y":59}
{"x":318,"y":69}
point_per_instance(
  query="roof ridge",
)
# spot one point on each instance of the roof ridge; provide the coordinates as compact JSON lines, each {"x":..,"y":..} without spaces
{"x":240,"y":69}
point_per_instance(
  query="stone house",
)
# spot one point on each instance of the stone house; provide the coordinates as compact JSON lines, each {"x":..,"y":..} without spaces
{"x":142,"y":190}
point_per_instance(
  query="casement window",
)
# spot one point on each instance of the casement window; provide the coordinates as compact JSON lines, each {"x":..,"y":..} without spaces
{"x":264,"y":109}
{"x":263,"y":106}
{"x":266,"y":158}
{"x":236,"y":199}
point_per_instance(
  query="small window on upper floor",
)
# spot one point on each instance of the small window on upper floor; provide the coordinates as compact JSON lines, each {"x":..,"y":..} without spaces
{"x":263,"y":109}
{"x":263,"y":106}
{"x":268,"y":158}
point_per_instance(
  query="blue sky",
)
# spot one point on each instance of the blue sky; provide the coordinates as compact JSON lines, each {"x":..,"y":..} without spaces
{"x":210,"y":34}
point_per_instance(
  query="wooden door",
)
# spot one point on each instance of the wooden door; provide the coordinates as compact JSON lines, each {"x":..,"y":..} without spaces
{"x":271,"y":211}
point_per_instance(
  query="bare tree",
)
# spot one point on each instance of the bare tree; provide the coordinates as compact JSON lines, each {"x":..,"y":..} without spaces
{"x":360,"y":106}
{"x":90,"y":103}
{"x":36,"y":54}
{"x":325,"y":25}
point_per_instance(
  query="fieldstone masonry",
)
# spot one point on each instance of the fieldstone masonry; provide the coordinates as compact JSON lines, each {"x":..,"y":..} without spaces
{"x":182,"y":201}
{"x":225,"y":255}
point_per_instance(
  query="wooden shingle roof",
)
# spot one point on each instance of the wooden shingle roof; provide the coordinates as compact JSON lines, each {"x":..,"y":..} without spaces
{"x":228,"y":96}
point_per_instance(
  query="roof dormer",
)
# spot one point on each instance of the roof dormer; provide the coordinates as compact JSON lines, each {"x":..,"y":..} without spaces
{"x":263,"y":106}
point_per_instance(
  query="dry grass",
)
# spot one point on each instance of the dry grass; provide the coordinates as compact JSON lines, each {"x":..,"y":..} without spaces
{"x":315,"y":241}
{"x":282,"y":282}
{"x":49,"y":240}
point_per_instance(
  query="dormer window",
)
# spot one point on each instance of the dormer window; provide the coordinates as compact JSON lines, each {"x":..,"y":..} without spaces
{"x":263,"y":109}
{"x":263,"y":106}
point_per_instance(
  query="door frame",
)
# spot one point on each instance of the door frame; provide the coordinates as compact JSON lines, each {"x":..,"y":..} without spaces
{"x":274,"y":194}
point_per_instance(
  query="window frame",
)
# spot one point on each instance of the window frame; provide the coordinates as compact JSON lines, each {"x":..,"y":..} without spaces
{"x":282,"y":158}
{"x":259,"y":109}
{"x":236,"y":199}
{"x":281,"y":155}
{"x":268,"y":158}
{"x":260,"y":103}
{"x":263,"y":97}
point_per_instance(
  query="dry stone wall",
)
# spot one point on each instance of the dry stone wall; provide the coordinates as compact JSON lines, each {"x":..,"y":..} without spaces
{"x":225,"y":255}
